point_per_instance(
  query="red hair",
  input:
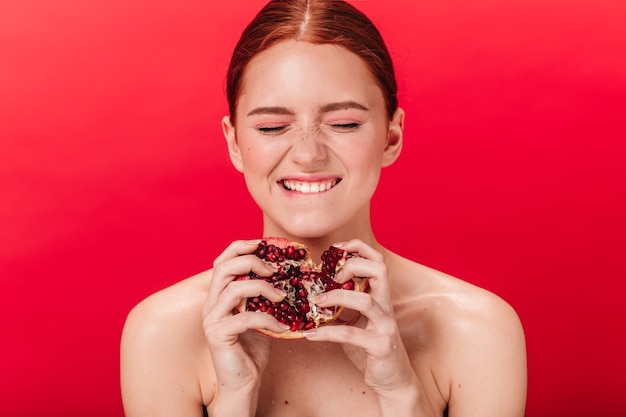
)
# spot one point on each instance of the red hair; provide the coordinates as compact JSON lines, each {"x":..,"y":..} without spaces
{"x":317,"y":21}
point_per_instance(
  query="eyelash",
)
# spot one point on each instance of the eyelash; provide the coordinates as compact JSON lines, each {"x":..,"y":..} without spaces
{"x":280,"y":129}
{"x":347,"y":126}
{"x":270,"y":130}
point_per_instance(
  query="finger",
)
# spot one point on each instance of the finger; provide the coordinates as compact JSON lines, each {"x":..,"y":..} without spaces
{"x":239,"y":290}
{"x":237,"y":248}
{"x":344,"y":334}
{"x":364,"y":303}
{"x":361,"y":268}
{"x":224,"y":272}
{"x":361,"y":249}
{"x":228,"y":329}
{"x":375,"y":344}
{"x":375,"y":272}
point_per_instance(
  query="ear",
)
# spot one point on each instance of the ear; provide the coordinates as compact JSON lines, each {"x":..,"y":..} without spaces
{"x":394,"y":138}
{"x":231,"y":141}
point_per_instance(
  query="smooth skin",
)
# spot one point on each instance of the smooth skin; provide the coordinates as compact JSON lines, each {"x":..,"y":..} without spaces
{"x":311,"y":136}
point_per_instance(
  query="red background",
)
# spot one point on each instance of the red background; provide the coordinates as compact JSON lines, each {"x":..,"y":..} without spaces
{"x":115,"y":182}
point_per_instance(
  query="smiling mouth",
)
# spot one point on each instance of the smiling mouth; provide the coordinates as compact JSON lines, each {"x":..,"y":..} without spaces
{"x":309,"y":187}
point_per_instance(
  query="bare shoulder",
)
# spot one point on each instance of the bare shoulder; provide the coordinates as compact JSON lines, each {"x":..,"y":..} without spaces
{"x":457,"y":306}
{"x":471,"y":338}
{"x":168,"y":311}
{"x":162,"y":348}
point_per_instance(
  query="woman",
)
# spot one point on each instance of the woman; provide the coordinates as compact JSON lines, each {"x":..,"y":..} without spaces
{"x":313,"y":120}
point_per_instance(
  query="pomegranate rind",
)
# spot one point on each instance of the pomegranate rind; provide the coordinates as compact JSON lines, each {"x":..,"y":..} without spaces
{"x":306,"y":264}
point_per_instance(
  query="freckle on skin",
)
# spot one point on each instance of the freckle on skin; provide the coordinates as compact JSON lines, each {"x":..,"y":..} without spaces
{"x":286,"y":402}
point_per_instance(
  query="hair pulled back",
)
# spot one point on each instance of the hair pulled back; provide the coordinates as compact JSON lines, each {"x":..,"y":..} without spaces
{"x":320,"y":22}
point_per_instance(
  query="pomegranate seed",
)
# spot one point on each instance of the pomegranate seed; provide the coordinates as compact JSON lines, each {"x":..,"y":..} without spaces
{"x":348,"y":285}
{"x":291,"y":277}
{"x":295,"y":326}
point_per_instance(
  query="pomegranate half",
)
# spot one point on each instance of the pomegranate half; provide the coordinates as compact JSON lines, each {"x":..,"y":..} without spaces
{"x":301,"y":279}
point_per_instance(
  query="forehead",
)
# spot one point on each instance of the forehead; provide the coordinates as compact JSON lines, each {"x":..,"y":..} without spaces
{"x":304,"y":71}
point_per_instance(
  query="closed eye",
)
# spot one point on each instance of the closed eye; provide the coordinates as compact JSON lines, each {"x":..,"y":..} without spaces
{"x":346,"y":126}
{"x":273,"y":130}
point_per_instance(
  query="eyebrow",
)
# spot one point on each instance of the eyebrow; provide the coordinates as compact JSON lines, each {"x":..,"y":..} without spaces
{"x":324,"y":109}
{"x":271,"y":110}
{"x":343,"y":105}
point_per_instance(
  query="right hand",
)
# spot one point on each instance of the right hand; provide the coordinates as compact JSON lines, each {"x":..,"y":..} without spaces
{"x":239,"y":355}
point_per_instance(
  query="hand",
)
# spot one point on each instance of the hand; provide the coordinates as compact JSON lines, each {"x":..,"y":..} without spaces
{"x":373,"y":343}
{"x":239,"y":355}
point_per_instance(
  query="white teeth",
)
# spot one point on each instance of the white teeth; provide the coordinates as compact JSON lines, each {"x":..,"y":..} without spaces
{"x":309,"y":187}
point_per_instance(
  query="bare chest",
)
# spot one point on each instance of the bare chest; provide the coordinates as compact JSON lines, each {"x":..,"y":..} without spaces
{"x":313,"y":379}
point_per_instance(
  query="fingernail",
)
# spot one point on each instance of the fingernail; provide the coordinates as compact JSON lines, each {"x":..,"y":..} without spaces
{"x":280,"y":292}
{"x":309,"y":333}
{"x":270,"y":267}
{"x":320,"y":298}
{"x":283,"y":326}
{"x":338,"y":275}
{"x":253,"y":241}
{"x":339,"y":244}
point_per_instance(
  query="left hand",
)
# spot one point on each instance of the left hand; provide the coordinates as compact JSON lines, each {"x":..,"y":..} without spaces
{"x":373,"y":342}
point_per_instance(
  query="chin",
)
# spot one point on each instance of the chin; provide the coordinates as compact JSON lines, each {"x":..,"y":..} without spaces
{"x":310,"y":224}
{"x":307,"y":233}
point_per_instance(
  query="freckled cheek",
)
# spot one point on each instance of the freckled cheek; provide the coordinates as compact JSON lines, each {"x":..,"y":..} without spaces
{"x":260,"y":158}
{"x":366,"y":154}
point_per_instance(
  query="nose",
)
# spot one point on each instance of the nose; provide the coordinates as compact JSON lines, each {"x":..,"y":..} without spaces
{"x":309,"y":146}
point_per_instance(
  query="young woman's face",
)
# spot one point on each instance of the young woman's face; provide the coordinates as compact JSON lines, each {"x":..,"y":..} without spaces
{"x":311,"y":136}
